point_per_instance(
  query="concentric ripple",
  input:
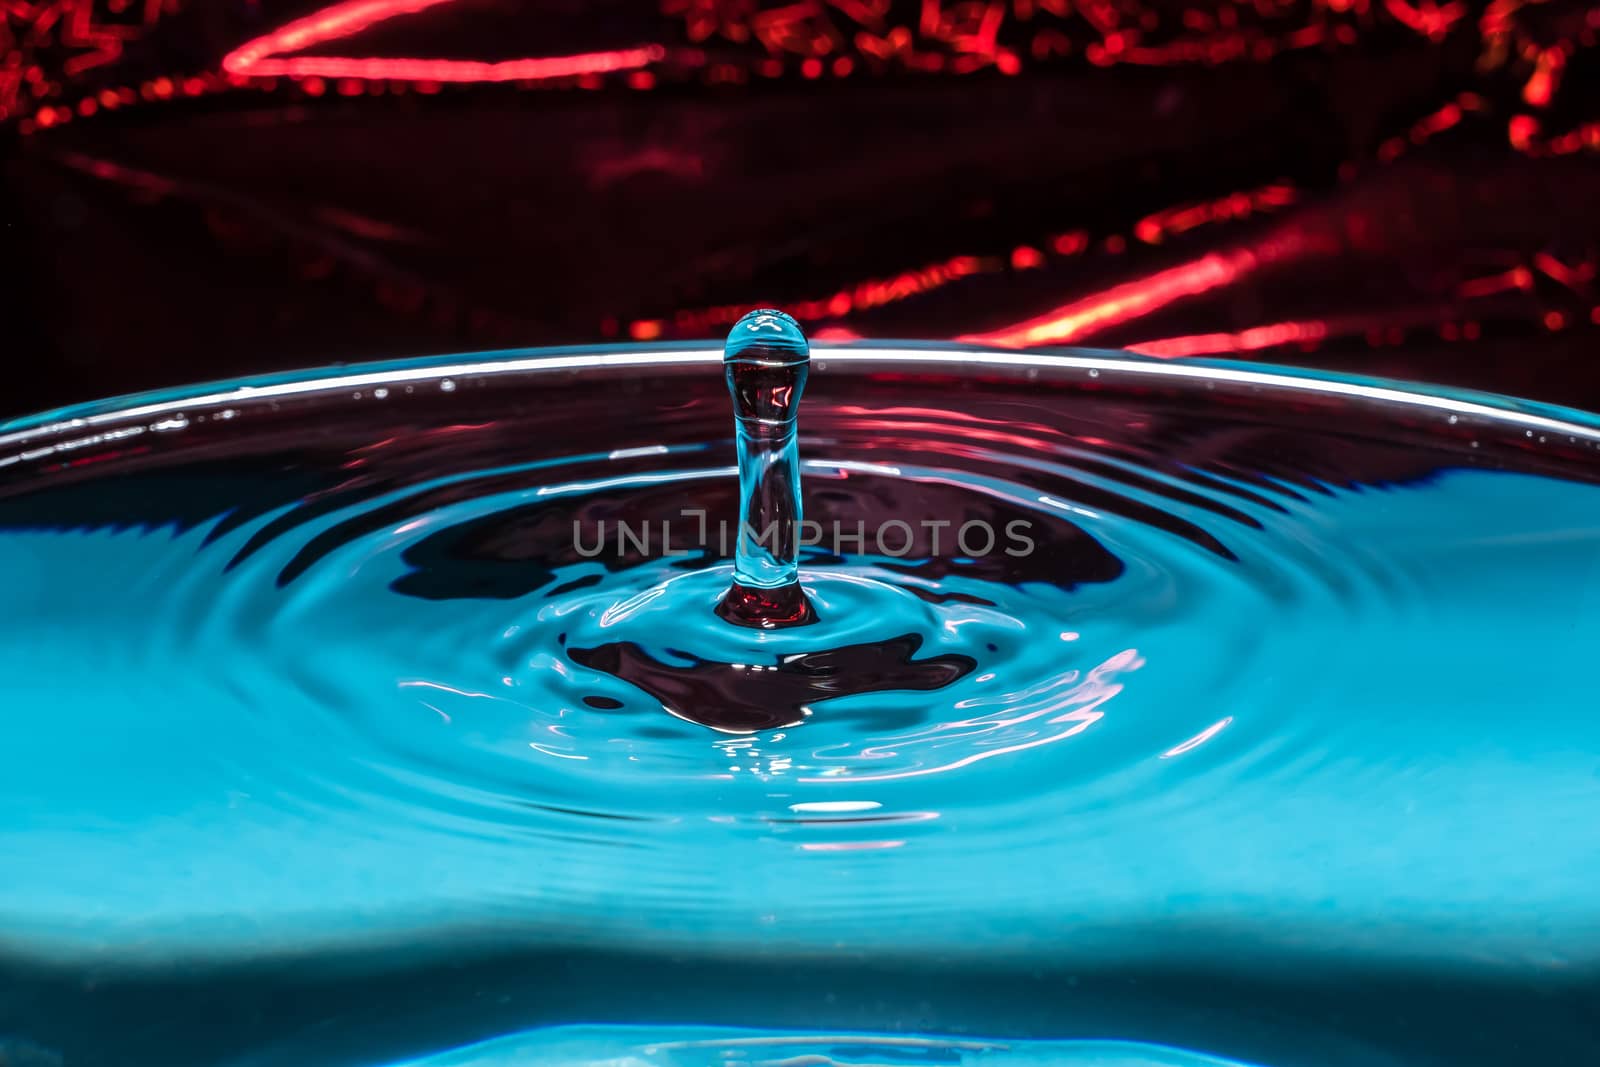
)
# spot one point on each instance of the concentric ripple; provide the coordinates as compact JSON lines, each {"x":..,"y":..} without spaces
{"x":1283,"y":667}
{"x":578,"y":1046}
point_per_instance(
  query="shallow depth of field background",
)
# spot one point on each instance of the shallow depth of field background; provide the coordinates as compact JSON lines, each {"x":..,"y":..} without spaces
{"x":197,"y":189}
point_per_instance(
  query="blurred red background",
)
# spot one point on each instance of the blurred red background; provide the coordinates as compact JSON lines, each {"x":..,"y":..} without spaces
{"x":200,"y":189}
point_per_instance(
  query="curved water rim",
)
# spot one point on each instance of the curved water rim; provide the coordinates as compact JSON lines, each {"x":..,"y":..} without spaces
{"x":458,"y":379}
{"x":37,"y":436}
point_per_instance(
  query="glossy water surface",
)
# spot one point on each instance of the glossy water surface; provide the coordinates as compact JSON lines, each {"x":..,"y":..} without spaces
{"x":328,"y":737}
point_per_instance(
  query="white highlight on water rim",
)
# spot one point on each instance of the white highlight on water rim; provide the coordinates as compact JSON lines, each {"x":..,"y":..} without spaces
{"x":954,"y":358}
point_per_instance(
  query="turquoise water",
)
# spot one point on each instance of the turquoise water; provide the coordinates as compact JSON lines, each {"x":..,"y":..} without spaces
{"x":637,"y":1047}
{"x":323,"y":739}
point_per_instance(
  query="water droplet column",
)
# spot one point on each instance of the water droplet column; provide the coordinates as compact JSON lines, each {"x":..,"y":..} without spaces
{"x":766,"y":361}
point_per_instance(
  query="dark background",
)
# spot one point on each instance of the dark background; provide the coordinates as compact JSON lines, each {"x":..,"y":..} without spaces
{"x":1399,"y":187}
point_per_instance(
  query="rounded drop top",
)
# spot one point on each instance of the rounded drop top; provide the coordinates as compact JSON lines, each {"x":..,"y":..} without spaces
{"x":766,"y":362}
{"x":768,"y":336}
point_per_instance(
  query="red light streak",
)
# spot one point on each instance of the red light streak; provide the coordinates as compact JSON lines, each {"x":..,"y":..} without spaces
{"x":1427,"y":18}
{"x":1574,"y":278}
{"x":707,"y":17}
{"x":105,"y":42}
{"x":264,"y":56}
{"x":1205,"y":344}
{"x":918,"y":422}
{"x":957,"y":36}
{"x":1445,"y":118}
{"x":866,"y":12}
{"x":1584,"y":137}
{"x":965,"y":28}
{"x":800,"y":28}
{"x":874,"y":292}
{"x":1546,"y":76}
{"x":1153,"y":228}
{"x":1517,"y":278}
{"x":115,"y":172}
{"x":1123,"y":303}
{"x":897,"y":42}
{"x":362,"y":226}
{"x":1441,"y":120}
{"x":1496,"y":22}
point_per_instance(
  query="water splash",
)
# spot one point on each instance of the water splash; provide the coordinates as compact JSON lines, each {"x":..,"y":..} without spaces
{"x":766,"y":361}
{"x":769,"y":681}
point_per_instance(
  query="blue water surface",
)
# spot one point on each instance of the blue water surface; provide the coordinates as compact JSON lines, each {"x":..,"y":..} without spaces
{"x":1262,"y":721}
